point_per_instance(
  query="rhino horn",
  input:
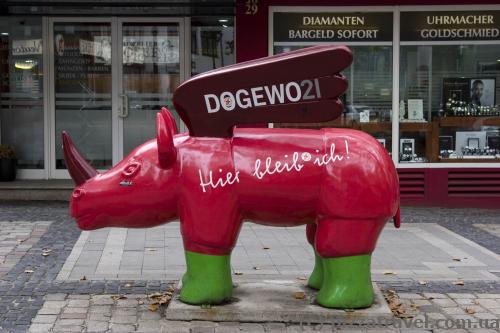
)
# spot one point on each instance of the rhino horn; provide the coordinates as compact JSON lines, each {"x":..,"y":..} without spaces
{"x":171,"y":120}
{"x":79,"y":169}
{"x":167,"y":154}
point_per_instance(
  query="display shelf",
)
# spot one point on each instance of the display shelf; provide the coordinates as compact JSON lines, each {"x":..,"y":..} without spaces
{"x":374,"y":126}
{"x":415,"y":127}
{"x":469,"y":160}
{"x":470,"y":122}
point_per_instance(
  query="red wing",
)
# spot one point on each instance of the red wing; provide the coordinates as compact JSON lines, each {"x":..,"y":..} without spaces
{"x":300,"y":86}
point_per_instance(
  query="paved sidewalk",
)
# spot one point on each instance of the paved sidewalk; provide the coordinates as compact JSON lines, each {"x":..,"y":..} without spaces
{"x":442,"y":263}
{"x":417,"y":251}
{"x":103,"y":313}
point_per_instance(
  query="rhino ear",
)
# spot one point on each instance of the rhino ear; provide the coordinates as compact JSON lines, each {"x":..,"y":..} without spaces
{"x":167,"y":154}
{"x":170,"y":120}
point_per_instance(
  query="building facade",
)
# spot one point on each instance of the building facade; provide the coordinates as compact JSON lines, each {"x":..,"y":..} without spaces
{"x":100,"y":71}
{"x":424,"y":82}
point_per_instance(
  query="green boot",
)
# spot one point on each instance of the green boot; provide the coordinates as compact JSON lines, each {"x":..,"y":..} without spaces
{"x":207,"y":279}
{"x":346,"y":283}
{"x":316,"y":279}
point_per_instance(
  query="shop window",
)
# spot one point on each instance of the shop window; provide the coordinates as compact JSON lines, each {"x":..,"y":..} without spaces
{"x":368,"y":99}
{"x":21,"y":89}
{"x":449,"y":103}
{"x":212,"y":43}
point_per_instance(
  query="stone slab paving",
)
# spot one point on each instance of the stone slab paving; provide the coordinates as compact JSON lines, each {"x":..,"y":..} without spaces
{"x":16,"y":238}
{"x":417,"y":251}
{"x":275,"y":300}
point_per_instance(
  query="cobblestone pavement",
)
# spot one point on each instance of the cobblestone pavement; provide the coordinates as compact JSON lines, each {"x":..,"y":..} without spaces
{"x":16,"y":238}
{"x":106,"y":313}
{"x":30,"y":286}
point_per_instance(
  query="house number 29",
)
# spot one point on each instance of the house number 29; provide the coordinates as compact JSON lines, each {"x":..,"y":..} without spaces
{"x":252,"y":7}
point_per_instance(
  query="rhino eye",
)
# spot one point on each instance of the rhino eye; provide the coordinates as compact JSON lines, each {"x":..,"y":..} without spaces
{"x":131,"y":169}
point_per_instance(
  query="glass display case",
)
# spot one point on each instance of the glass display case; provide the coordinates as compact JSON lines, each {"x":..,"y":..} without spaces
{"x":449,"y":103}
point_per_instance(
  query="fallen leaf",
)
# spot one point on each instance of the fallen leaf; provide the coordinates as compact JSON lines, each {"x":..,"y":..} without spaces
{"x":349,"y":310}
{"x":238,"y":273}
{"x":389,"y":273}
{"x":256,"y":268}
{"x":153,"y":307}
{"x":458,"y":283}
{"x":117,"y":297}
{"x":475,"y":302}
{"x":457,"y":259}
{"x":28,"y":271}
{"x":46,"y":252}
{"x":414,"y":306}
{"x":128,"y":285}
{"x":83,"y":278}
{"x":19,"y":241}
{"x":397,"y":308}
{"x":470,"y":311}
{"x":422,"y":283}
{"x":266,"y":248}
{"x":170,"y":289}
{"x":151,"y":249}
{"x":159,"y":298}
{"x":302,"y":278}
{"x":141,"y":302}
{"x":299,"y":295}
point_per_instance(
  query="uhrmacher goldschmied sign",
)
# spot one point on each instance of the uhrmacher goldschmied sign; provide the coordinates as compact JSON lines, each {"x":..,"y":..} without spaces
{"x":450,"y":25}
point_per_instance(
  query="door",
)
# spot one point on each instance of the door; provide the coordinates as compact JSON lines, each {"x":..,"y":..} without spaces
{"x":108,"y":79}
{"x":151,"y":67}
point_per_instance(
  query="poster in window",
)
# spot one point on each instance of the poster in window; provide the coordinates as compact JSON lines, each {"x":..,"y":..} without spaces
{"x":482,"y":91}
{"x":416,"y":109}
{"x":456,"y":89}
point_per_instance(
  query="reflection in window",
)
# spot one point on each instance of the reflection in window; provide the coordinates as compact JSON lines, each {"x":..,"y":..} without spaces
{"x":212,"y":43}
{"x":368,"y":99}
{"x":82,"y":88}
{"x":21,"y":89}
{"x":449,"y":108}
{"x":151,"y":72}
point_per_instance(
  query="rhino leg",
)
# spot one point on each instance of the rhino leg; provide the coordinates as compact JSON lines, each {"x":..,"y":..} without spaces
{"x":207,"y":279}
{"x":316,"y":278}
{"x":346,"y":246}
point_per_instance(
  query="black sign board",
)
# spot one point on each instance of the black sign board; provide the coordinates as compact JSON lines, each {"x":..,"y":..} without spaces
{"x":450,"y":25}
{"x":332,"y":27}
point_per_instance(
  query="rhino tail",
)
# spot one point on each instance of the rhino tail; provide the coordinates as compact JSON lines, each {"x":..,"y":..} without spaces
{"x":397,"y":218}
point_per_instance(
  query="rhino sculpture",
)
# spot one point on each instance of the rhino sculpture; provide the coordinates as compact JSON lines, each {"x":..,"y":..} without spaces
{"x":341,"y":183}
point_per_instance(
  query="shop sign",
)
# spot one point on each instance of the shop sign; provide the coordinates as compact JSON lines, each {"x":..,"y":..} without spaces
{"x":100,"y":48}
{"x":26,"y":47}
{"x":151,"y":50}
{"x":440,"y":26}
{"x":76,"y":58}
{"x":332,"y":27}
